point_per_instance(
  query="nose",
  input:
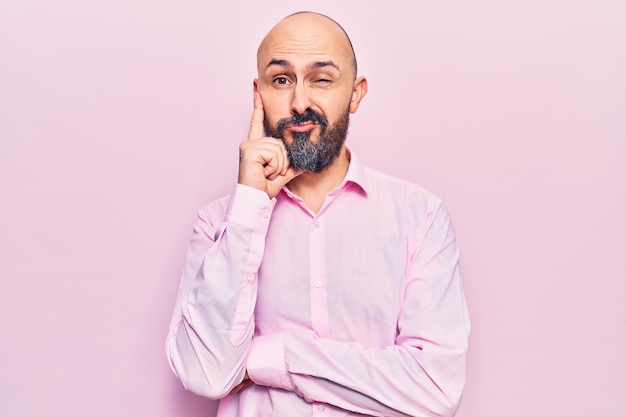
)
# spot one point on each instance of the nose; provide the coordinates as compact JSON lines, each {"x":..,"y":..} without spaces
{"x":301,"y":100}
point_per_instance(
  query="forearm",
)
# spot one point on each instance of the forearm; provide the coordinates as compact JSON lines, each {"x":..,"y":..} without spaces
{"x":213,"y":320}
{"x":400,"y":380}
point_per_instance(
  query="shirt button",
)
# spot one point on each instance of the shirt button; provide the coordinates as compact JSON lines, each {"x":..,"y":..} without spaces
{"x":317,"y":283}
{"x":265,"y":214}
{"x":250,"y":277}
{"x":320,"y":408}
{"x":316,"y":223}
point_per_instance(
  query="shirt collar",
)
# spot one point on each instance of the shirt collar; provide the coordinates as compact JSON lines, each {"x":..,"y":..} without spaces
{"x":355,"y":175}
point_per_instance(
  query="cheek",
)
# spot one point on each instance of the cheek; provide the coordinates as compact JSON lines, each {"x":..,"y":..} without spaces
{"x":274,"y":109}
{"x":335,"y":102}
{"x":336,"y":110}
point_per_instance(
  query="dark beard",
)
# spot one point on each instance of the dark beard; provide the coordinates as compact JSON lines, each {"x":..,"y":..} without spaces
{"x":305,"y":155}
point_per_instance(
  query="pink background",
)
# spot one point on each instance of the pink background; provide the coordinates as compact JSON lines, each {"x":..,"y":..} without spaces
{"x":119,"y":119}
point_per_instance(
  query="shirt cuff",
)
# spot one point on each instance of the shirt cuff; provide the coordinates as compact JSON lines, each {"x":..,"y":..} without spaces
{"x":266,"y":362}
{"x":250,"y":208}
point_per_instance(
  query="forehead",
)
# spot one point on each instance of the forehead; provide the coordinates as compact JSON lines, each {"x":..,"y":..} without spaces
{"x":301,"y":40}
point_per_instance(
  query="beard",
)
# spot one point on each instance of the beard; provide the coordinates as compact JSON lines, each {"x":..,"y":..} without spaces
{"x":305,"y":154}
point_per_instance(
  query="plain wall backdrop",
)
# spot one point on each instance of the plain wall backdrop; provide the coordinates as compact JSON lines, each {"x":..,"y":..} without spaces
{"x":119,"y":119}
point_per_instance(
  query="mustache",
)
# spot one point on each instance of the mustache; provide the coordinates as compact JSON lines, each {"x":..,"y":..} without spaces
{"x":297,"y":119}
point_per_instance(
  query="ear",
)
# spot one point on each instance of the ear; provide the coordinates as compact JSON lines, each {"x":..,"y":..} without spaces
{"x":358,"y":92}
{"x":255,"y":85}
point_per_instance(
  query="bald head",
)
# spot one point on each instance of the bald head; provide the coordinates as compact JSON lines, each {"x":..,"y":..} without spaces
{"x":306,"y":31}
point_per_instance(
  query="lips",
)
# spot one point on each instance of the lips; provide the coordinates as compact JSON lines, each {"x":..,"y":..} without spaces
{"x":303,"y":127}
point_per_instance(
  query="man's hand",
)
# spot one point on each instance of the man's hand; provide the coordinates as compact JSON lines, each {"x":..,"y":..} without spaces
{"x":263,"y":161}
{"x":242,"y":385}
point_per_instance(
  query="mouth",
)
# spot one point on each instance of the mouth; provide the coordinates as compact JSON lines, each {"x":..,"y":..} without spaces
{"x":303,"y":127}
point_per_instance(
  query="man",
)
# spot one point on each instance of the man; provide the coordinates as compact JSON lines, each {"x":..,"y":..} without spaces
{"x":319,"y":286}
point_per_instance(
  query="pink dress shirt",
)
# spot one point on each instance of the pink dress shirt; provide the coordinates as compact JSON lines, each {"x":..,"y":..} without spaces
{"x":356,"y":310}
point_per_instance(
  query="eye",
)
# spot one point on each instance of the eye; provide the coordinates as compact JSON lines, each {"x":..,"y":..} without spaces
{"x":281,"y":81}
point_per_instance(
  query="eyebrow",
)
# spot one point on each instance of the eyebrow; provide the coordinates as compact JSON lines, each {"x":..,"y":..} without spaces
{"x":316,"y":64}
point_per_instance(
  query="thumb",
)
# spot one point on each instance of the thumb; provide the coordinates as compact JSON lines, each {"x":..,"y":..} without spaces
{"x":280,"y":181}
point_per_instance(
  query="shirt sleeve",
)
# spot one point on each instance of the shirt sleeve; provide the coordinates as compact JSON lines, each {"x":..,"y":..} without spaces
{"x":213,"y":323}
{"x":422,"y":374}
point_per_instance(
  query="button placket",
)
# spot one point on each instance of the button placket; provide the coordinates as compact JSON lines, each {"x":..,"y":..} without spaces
{"x":317,"y":278}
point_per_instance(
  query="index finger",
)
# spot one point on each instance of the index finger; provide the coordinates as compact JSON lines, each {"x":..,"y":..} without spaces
{"x":258,"y":116}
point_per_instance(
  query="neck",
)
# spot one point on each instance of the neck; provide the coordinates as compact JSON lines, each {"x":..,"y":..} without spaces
{"x":313,"y":188}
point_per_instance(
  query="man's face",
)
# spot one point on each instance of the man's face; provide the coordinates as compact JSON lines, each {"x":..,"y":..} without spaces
{"x":306,"y":82}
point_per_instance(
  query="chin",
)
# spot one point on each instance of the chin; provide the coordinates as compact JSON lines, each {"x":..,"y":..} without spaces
{"x":303,"y":137}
